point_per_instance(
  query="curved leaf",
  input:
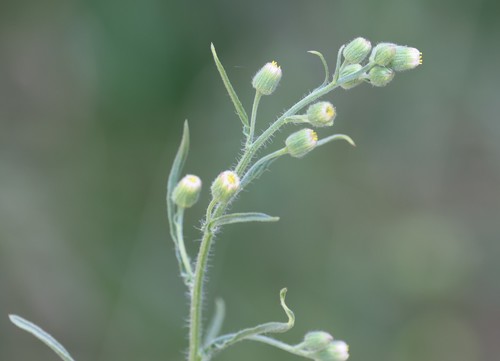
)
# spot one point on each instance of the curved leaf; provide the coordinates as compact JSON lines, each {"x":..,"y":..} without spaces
{"x":222,"y":342}
{"x":331,"y":138}
{"x":325,"y":65}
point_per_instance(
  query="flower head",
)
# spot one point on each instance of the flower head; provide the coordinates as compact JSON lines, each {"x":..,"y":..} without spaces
{"x":187,"y":192}
{"x":225,"y":186}
{"x":302,"y":142}
{"x":267,"y":78}
{"x":321,"y":114}
{"x":406,"y":58}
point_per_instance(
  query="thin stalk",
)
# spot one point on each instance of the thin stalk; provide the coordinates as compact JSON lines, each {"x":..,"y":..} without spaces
{"x":179,"y":221}
{"x":256,"y":100}
{"x":278,"y":344}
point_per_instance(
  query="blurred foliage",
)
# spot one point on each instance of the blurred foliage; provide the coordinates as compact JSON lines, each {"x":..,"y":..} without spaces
{"x":392,"y":246}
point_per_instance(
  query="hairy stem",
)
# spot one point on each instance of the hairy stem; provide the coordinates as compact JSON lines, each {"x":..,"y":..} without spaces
{"x":197,"y":290}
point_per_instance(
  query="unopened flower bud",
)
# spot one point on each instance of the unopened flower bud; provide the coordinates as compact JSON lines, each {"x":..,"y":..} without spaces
{"x":348,"y":70}
{"x":316,"y":340}
{"x":225,"y":186}
{"x":357,"y":50}
{"x":321,"y":114}
{"x":380,"y":75}
{"x":383,"y":53}
{"x":302,"y":142}
{"x":187,"y":192}
{"x":335,"y":351}
{"x":267,"y":79}
{"x":406,"y":58}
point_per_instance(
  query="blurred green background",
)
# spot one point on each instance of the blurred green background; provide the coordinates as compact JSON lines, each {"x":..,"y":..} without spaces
{"x":392,"y":246}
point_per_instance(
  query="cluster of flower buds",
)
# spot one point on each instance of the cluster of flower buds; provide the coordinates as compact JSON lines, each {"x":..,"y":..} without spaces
{"x":187,"y":192}
{"x":322,"y":347}
{"x":386,"y":58}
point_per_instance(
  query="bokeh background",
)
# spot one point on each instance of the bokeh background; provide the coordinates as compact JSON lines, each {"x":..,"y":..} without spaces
{"x":392,"y":246}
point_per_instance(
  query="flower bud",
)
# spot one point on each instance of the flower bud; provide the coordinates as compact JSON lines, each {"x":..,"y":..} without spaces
{"x":316,"y":340}
{"x":380,"y":75}
{"x":383,"y":53}
{"x":321,"y":114}
{"x":267,"y":79}
{"x":357,"y":50}
{"x":187,"y":192}
{"x":335,"y":351}
{"x":348,"y":70}
{"x":225,"y":186}
{"x":302,"y":142}
{"x":406,"y":58}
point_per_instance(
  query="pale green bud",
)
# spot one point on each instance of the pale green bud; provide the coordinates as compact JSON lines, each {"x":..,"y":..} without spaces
{"x":225,"y":186}
{"x":383,"y":53}
{"x":316,"y":341}
{"x":357,"y":50}
{"x":187,"y":192}
{"x":348,"y":70}
{"x":267,"y":79}
{"x":302,"y":142}
{"x":406,"y":58}
{"x":335,"y":351}
{"x":380,"y":75}
{"x":321,"y":114}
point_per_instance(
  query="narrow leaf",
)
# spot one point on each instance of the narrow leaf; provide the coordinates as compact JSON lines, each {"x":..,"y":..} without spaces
{"x":331,"y":138}
{"x":242,"y":218}
{"x":261,"y":165}
{"x":42,"y":336}
{"x":174,"y":176}
{"x":325,"y":65}
{"x":232,"y":94}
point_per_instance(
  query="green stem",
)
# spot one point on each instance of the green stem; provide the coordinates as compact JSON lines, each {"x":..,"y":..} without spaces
{"x":279,"y":344}
{"x":255,"y":106}
{"x":197,"y":290}
{"x":179,"y":221}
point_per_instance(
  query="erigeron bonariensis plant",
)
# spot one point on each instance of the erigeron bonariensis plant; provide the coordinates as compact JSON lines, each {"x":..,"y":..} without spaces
{"x":357,"y":63}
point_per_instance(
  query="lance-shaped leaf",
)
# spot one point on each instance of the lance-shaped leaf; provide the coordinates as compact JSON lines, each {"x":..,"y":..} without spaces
{"x":222,"y":342}
{"x":174,"y":176}
{"x":230,"y":90}
{"x":242,"y":218}
{"x":42,"y":336}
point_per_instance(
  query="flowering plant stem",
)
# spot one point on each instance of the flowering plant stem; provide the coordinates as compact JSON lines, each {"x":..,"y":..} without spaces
{"x":220,"y":208}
